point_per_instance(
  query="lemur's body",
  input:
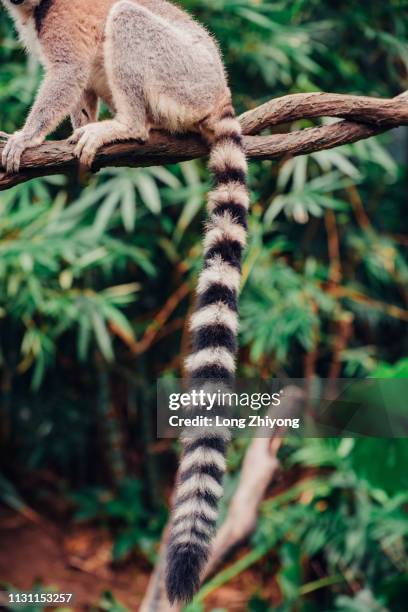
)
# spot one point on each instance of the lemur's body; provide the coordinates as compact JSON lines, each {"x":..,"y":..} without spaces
{"x":155,"y":67}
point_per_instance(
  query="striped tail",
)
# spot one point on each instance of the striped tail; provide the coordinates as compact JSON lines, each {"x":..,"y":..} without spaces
{"x":214,"y":327}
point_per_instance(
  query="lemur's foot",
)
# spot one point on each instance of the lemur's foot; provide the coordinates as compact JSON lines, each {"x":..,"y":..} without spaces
{"x":90,"y":138}
{"x":14,"y":148}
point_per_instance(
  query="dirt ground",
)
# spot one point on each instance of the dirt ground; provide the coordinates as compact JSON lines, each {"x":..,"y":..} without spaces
{"x":77,"y":559}
{"x":74,"y":560}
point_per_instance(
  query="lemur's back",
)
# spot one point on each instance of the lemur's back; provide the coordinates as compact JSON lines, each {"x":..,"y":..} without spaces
{"x":91,"y":16}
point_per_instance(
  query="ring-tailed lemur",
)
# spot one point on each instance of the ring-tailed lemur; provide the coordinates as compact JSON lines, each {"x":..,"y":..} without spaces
{"x":155,"y":67}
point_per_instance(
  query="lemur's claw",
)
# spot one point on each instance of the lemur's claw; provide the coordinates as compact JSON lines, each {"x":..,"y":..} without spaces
{"x":75,"y":136}
{"x":90,"y":138}
{"x":4,"y":135}
{"x":142,"y":139}
{"x":87,"y":140}
{"x":15,"y":146}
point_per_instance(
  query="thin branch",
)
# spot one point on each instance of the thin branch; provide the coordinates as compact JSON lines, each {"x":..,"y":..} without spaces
{"x":379,"y":112}
{"x":155,"y":599}
{"x":343,"y":333}
{"x":156,"y":326}
{"x":333,"y":245}
{"x":361,"y":216}
{"x":389,"y":309}
{"x":374,"y":116}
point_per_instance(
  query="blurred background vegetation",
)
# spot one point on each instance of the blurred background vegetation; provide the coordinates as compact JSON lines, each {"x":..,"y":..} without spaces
{"x":96,"y":282}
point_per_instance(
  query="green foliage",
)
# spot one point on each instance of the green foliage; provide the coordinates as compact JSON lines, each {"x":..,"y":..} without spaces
{"x":341,"y":522}
{"x":125,"y":512}
{"x":396,"y":370}
{"x":108,"y":603}
{"x":280,"y":308}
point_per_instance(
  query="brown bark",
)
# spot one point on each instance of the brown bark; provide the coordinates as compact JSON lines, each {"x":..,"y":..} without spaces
{"x":378,"y":112}
{"x":365,"y":117}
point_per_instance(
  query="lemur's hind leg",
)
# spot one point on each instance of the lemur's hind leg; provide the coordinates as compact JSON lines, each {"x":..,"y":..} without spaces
{"x":126,"y":84}
{"x":86,"y":110}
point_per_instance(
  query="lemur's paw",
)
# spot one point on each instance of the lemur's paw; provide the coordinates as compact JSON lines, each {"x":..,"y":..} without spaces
{"x":141,"y":136}
{"x":88,"y":140}
{"x":76,"y":135}
{"x":15,"y":146}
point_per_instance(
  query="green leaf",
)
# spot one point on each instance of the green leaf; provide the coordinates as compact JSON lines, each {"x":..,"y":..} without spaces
{"x":149,"y":192}
{"x":102,"y":336}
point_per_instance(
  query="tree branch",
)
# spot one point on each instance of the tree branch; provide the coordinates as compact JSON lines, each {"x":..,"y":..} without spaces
{"x":380,"y":112}
{"x":365,"y":117}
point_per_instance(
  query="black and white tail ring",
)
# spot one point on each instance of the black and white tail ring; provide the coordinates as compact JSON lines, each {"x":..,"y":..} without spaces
{"x":214,"y":327}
